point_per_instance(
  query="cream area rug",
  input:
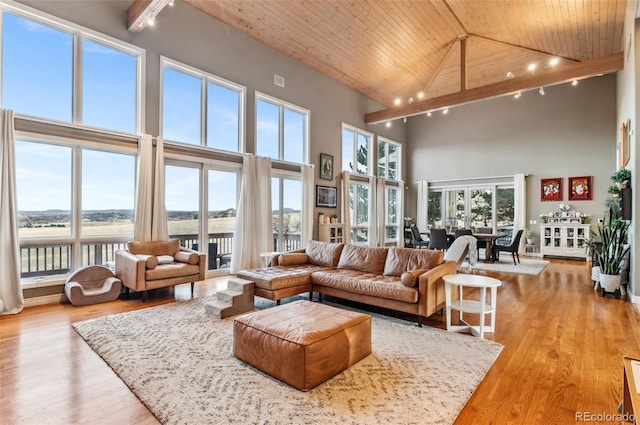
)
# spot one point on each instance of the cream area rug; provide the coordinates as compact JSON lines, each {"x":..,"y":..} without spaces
{"x":505,"y":265}
{"x":180,"y":364}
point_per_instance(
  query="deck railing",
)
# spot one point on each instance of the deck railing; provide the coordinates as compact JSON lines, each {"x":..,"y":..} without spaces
{"x":54,"y":259}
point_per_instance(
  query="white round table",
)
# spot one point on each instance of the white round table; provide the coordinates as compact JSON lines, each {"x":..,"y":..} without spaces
{"x":471,"y":306}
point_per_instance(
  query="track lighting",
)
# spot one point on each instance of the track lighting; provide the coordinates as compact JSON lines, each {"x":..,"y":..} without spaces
{"x":541,"y":91}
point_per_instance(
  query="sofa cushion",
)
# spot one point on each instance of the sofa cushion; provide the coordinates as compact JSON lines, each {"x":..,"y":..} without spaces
{"x":323,"y":253}
{"x":400,"y":260}
{"x":280,"y":277}
{"x":293,"y":258}
{"x":187,"y":257}
{"x":411,"y":277}
{"x":361,"y":258}
{"x":362,"y":283}
{"x":167,"y":271}
{"x":154,"y":247}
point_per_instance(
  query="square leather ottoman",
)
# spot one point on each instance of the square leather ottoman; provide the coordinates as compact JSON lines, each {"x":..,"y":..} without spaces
{"x":302,"y":343}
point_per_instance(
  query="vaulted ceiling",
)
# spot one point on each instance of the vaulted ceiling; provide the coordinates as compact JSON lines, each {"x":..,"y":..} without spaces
{"x":435,"y":53}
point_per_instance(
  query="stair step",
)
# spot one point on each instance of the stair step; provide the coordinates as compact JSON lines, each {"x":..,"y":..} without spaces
{"x":239,"y":284}
{"x":236,"y":299}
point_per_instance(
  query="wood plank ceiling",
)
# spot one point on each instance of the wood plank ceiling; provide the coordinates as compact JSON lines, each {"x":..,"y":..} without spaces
{"x":392,"y":50}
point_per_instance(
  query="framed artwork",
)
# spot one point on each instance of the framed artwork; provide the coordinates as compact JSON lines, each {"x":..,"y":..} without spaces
{"x":326,"y":196}
{"x":326,"y":166}
{"x":580,"y":188}
{"x":551,"y":189}
{"x":625,"y":136}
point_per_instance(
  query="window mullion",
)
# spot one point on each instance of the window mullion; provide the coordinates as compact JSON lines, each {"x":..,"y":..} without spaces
{"x":281,"y":132}
{"x":76,"y":87}
{"x":204,"y":94}
{"x":76,"y":206}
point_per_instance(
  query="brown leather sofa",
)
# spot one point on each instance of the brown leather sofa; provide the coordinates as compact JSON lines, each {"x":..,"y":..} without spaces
{"x":401,"y":279}
{"x":143,"y":267}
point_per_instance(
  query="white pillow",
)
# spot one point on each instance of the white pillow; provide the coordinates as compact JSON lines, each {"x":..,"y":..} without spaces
{"x":165,"y":259}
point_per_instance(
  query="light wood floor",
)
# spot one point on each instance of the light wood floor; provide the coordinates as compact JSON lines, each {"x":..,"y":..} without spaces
{"x":563,"y":348}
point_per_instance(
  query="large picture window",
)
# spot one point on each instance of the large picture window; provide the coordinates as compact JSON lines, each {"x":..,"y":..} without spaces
{"x":281,"y":130}
{"x":356,"y":145}
{"x":201,"y":109}
{"x":43,"y":77}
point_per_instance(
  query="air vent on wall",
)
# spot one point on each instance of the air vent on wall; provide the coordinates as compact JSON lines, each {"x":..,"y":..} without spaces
{"x":278,"y":80}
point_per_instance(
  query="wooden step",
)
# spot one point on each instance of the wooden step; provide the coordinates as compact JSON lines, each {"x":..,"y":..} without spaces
{"x":236,"y":299}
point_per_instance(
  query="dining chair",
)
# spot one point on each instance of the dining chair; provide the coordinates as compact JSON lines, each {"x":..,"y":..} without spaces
{"x":416,"y":238}
{"x":513,"y":248}
{"x":438,"y":239}
{"x":483,"y":244}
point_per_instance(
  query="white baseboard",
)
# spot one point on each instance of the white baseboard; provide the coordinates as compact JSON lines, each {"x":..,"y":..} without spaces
{"x":45,"y":299}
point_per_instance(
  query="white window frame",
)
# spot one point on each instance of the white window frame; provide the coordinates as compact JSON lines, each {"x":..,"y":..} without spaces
{"x":398,"y":146}
{"x":370,"y":147}
{"x":204,"y":78}
{"x":281,"y":104}
{"x":80,"y":33}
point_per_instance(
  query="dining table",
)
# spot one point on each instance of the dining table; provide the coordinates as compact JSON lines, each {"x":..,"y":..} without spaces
{"x":488,"y":238}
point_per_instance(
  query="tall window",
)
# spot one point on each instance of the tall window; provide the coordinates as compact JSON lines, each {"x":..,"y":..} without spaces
{"x":392,"y":216}
{"x":221,"y":223}
{"x":286,"y":202}
{"x":182,"y":199}
{"x":62,"y":225}
{"x":359,"y":212}
{"x":41,"y":75}
{"x":356,"y":145}
{"x":281,"y":130}
{"x":388,"y":159}
{"x":201,"y":109}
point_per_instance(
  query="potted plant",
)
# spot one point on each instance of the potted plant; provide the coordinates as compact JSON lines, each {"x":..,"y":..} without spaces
{"x":613,"y":234}
{"x":621,"y":178}
{"x":530,"y":236}
{"x":334,"y":219}
{"x":614,"y":191}
{"x":321,"y":218}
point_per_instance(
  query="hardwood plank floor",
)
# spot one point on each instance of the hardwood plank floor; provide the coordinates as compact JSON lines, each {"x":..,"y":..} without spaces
{"x":563,"y":348}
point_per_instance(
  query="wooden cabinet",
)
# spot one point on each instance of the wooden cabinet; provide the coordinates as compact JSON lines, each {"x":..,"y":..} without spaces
{"x":564,"y":240}
{"x":333,"y":233}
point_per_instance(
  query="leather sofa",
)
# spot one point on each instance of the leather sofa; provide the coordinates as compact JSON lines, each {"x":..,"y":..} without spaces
{"x":149,"y":265}
{"x":401,"y":279}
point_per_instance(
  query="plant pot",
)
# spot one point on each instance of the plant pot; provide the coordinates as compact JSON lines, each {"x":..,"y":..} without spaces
{"x":609,"y":282}
{"x":531,"y":241}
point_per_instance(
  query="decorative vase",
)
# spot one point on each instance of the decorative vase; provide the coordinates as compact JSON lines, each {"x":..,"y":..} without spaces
{"x":321,"y":219}
{"x":609,"y":282}
{"x":595,"y":276}
{"x":531,"y":241}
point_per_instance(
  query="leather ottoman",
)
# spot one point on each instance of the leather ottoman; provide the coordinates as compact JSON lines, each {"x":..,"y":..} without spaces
{"x":302,"y":343}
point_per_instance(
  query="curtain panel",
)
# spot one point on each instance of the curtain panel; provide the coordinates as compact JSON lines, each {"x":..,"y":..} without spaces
{"x":11,"y":297}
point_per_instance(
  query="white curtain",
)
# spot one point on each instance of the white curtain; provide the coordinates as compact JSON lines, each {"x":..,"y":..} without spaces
{"x":159,"y":224}
{"x":253,"y":231}
{"x":400,"y":213}
{"x":151,"y":214}
{"x":346,"y":210}
{"x":519,"y":207}
{"x":423,"y":201}
{"x":308,"y":193}
{"x":377,"y":228}
{"x":11,"y":297}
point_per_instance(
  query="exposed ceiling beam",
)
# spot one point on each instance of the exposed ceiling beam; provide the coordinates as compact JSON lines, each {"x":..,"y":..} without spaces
{"x":452,"y":19}
{"x":463,"y":64}
{"x":142,"y":12}
{"x":550,"y":77}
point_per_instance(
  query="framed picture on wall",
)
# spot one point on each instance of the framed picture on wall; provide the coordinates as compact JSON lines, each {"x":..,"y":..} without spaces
{"x":326,"y":166}
{"x":551,"y":189}
{"x":326,"y":196}
{"x":580,"y":188}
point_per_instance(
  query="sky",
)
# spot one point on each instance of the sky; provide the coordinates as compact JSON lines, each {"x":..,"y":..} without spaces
{"x":37,"y":80}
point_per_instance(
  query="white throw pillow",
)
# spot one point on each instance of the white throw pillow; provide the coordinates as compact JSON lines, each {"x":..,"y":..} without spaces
{"x":165,"y":259}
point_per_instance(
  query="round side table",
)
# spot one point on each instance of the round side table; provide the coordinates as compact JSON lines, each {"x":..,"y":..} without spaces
{"x":471,"y":306}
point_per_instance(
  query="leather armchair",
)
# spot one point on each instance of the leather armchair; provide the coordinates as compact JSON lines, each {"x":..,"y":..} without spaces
{"x":149,"y":265}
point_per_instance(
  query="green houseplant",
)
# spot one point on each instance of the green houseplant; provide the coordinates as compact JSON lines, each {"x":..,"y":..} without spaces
{"x":613,"y":233}
{"x":621,"y":178}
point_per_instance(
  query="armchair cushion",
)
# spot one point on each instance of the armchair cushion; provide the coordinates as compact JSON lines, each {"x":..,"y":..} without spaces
{"x":156,"y":248}
{"x":411,"y":277}
{"x":150,"y":261}
{"x":165,"y":259}
{"x":187,"y":257}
